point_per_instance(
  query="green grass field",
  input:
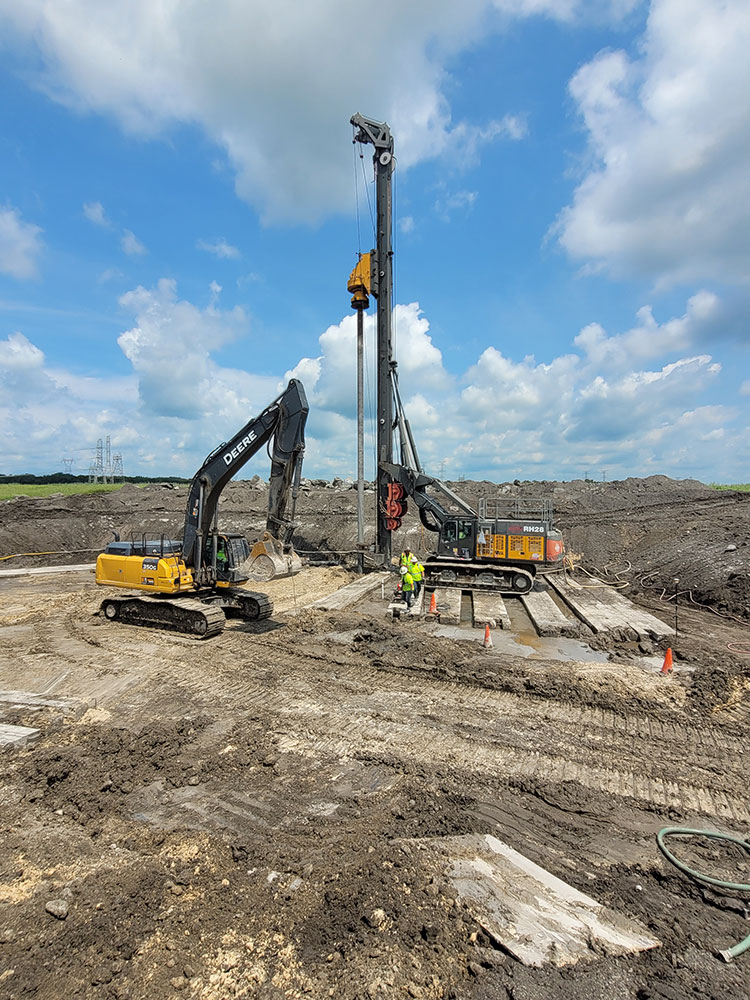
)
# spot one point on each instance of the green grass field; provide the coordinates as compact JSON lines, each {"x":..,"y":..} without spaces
{"x":743,"y":487}
{"x":8,"y":490}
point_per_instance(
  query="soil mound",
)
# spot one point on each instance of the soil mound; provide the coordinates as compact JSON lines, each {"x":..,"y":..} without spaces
{"x":644,"y":532}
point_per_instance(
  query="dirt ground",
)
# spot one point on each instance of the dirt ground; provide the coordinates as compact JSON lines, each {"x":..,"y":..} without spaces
{"x":247,"y":816}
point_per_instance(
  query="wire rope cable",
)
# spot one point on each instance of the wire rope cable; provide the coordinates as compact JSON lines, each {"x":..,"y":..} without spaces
{"x":356,"y":191}
{"x":394,"y":233}
{"x":671,"y":831}
{"x":50,"y":552}
{"x":367,"y":192}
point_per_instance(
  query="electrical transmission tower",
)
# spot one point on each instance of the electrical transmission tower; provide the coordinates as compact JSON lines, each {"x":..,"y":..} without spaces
{"x":105,"y":467}
{"x":108,"y":463}
{"x":67,"y":464}
{"x":96,"y":470}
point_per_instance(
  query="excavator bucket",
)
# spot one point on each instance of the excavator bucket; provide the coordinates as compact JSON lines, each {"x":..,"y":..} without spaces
{"x":268,"y":561}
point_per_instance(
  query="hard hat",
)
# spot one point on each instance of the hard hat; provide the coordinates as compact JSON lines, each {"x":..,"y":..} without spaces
{"x":404,"y":570}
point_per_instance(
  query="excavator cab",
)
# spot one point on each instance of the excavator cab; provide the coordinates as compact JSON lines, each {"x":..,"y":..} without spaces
{"x":236,"y":562}
{"x":232,"y":553}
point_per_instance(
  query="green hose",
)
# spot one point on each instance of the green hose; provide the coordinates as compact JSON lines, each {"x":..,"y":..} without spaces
{"x":737,"y":949}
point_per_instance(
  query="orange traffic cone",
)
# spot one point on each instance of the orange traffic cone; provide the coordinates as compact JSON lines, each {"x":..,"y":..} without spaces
{"x":667,"y":665}
{"x":433,"y":604}
{"x":487,"y":637}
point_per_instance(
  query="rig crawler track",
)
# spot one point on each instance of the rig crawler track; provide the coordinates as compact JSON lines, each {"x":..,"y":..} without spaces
{"x":511,"y":579}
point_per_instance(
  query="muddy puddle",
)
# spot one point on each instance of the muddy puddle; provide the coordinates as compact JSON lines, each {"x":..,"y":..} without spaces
{"x":526,"y":644}
{"x":521,"y":639}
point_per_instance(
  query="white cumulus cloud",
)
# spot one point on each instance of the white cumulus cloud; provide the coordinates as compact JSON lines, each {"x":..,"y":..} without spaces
{"x":18,"y":354}
{"x":271,"y":84}
{"x":503,"y":417}
{"x":665,"y":192}
{"x":20,"y":245}
{"x":170,"y":345}
{"x":131,"y":244}
{"x":597,"y":406}
{"x":94,"y":212}
{"x":220,"y":248}
{"x":648,"y":339}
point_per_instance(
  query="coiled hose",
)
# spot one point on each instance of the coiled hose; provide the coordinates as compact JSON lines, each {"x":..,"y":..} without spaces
{"x":729,"y":953}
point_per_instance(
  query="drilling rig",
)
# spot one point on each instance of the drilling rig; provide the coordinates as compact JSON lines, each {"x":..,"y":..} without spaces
{"x":501,"y":546}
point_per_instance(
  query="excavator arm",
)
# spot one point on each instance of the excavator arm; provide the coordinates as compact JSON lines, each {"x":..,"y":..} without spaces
{"x":284,"y":421}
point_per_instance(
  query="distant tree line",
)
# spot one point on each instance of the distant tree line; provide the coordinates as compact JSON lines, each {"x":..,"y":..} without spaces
{"x":65,"y":477}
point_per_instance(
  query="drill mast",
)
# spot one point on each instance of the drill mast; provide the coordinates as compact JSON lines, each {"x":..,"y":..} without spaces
{"x":378,"y":134}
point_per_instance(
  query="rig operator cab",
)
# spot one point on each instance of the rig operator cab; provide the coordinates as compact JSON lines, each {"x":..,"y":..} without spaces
{"x":502,"y":547}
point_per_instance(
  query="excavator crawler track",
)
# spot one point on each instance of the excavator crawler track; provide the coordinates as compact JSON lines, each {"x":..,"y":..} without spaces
{"x":246,"y":604}
{"x":187,"y":616}
{"x":256,"y":606}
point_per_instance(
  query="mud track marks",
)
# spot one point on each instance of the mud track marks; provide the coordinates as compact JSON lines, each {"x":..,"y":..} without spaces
{"x":352,"y":709}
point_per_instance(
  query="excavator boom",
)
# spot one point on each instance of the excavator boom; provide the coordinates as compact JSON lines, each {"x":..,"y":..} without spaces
{"x":284,"y":421}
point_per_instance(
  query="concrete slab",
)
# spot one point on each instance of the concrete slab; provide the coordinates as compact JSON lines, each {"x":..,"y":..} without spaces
{"x":42,"y":570}
{"x":605,"y":610}
{"x":74,"y":707}
{"x":352,"y":592}
{"x":398,"y":609}
{"x":535,"y":916}
{"x":15,"y":737}
{"x":546,"y":617}
{"x":448,"y":604}
{"x":489,"y":609}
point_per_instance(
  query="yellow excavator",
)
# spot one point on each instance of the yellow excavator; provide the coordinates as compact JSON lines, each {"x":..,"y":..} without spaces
{"x":191,"y":585}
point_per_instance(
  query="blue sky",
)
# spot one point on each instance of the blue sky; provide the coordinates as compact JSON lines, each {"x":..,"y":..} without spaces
{"x":178,"y":194}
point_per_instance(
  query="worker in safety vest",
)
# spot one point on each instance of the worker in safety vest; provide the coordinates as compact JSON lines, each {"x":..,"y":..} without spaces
{"x":416,"y":571}
{"x":407,"y":586}
{"x":406,"y":557}
{"x":221,"y":555}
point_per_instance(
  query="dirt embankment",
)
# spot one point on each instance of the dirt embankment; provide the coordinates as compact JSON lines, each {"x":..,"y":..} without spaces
{"x":643,"y":531}
{"x":248,"y":817}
